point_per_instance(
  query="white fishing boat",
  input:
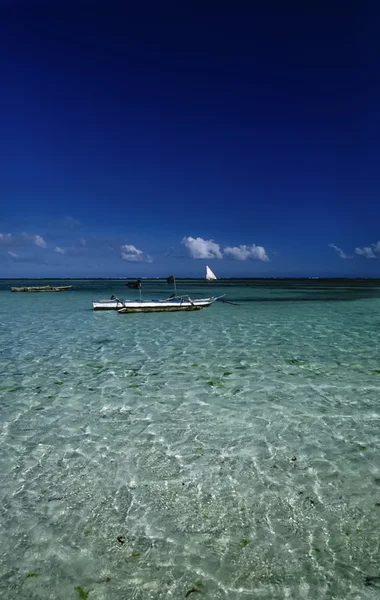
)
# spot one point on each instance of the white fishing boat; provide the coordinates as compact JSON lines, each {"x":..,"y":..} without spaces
{"x":210,"y":276}
{"x":176,"y":303}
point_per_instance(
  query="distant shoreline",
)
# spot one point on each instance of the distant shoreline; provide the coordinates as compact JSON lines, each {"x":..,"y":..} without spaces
{"x":219,"y":280}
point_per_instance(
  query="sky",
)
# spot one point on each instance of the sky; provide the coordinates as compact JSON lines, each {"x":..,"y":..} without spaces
{"x":153,"y":142}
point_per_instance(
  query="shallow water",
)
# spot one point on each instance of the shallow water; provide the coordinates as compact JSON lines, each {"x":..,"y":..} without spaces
{"x":233,"y":450}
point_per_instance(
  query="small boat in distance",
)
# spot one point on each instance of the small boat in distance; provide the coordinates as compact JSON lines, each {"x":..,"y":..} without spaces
{"x":44,"y":288}
{"x":210,"y":276}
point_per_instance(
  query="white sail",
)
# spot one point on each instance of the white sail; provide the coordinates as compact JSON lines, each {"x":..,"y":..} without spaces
{"x":209,"y":274}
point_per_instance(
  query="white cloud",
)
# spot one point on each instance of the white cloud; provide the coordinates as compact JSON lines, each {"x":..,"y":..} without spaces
{"x":366,"y":251}
{"x":59,"y":250}
{"x":12,"y":254}
{"x":247,"y":252}
{"x":372,"y":251}
{"x":341,"y":253}
{"x":5,"y":238}
{"x":132,"y":254}
{"x":38,"y":240}
{"x":200,"y":248}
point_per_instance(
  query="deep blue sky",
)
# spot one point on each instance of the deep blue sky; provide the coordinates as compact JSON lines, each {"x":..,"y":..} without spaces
{"x":248,"y":127}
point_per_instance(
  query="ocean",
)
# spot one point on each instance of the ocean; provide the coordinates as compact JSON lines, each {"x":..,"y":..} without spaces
{"x":229,"y":453}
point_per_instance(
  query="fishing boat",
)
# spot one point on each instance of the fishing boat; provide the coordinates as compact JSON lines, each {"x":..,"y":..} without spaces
{"x":174,"y":303}
{"x":210,"y":276}
{"x":44,"y":288}
{"x":178,"y":303}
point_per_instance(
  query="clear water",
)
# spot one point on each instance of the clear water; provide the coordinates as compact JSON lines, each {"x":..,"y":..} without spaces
{"x":235,"y":450}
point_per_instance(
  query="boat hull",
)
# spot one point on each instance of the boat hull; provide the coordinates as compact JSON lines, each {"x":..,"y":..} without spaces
{"x":46,"y":288}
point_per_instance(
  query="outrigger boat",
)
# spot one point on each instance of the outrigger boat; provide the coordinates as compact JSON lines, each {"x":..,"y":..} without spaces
{"x":174,"y":303}
{"x":167,"y":305}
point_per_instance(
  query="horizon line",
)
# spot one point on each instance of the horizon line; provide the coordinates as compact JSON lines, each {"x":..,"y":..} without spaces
{"x":287,"y":277}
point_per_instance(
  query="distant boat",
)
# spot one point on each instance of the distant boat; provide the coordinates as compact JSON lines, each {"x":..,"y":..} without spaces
{"x":210,"y":276}
{"x":44,"y":288}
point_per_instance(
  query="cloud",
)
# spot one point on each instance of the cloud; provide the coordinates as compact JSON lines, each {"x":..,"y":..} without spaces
{"x":39,"y":241}
{"x":12,"y":254}
{"x":372,"y":251}
{"x":200,"y":248}
{"x":132,"y":254}
{"x":341,"y":253}
{"x":36,"y":239}
{"x":5,"y":238}
{"x":59,"y":250}
{"x":366,"y":251}
{"x":82,"y":242}
{"x":247,"y":252}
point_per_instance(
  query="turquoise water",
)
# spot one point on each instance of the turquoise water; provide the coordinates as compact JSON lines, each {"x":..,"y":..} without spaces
{"x":233,"y":451}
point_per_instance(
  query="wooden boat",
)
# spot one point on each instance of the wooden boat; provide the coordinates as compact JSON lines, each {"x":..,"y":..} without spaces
{"x":176,"y":303}
{"x":45,"y":288}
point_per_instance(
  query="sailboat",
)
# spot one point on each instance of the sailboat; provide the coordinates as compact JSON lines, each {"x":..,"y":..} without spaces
{"x":210,"y":276}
